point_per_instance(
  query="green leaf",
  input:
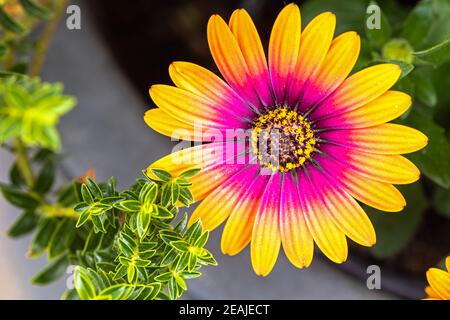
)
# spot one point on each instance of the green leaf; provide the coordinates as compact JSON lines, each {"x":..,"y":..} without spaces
{"x":18,"y":198}
{"x":143,"y":223}
{"x":186,"y":196}
{"x":128,"y":205}
{"x":121,"y":272}
{"x":70,"y":294}
{"x":131,"y":273}
{"x":84,"y":216}
{"x":207,"y":258}
{"x":162,"y":212}
{"x":187,"y":174}
{"x":86,"y":194}
{"x":26,"y":223}
{"x":83,"y":284}
{"x":118,"y":292}
{"x":180,"y":281}
{"x":35,"y":10}
{"x":166,"y":194}
{"x":192,"y":262}
{"x":378,"y":36}
{"x":436,"y":55}
{"x":167,"y":236}
{"x":434,"y":160}
{"x":174,"y":193}
{"x":424,"y":88}
{"x":15,"y":176}
{"x":42,"y":238}
{"x":164,"y":277}
{"x":395,"y":230}
{"x":161,"y":175}
{"x":94,"y":188}
{"x":62,"y":237}
{"x":9,"y":24}
{"x":180,"y":245}
{"x":202,"y":240}
{"x":190,"y":275}
{"x":54,"y":270}
{"x":9,"y":128}
{"x":418,"y":23}
{"x":181,"y":225}
{"x":441,"y":202}
{"x":125,"y":248}
{"x":194,"y":231}
{"x":147,"y":292}
{"x":148,"y":193}
{"x":111,"y":186}
{"x":46,"y":177}
{"x":98,"y":223}
{"x":110,"y":200}
{"x":439,"y":24}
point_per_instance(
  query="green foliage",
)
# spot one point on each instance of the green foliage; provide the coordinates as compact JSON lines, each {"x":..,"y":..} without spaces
{"x":150,"y":254}
{"x":395,"y":230}
{"x":434,"y":159}
{"x":31,"y":110}
{"x":435,"y":55}
{"x":18,"y":19}
{"x":118,"y":241}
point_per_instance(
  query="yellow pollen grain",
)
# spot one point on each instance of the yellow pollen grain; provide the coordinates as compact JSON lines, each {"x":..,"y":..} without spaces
{"x":296,"y":139}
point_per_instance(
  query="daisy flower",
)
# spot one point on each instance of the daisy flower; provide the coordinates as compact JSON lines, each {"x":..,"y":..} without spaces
{"x":332,"y":146}
{"x":439,"y":280}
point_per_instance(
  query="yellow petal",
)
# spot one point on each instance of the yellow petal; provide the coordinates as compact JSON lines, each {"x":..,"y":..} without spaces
{"x":393,"y":169}
{"x":432,"y":295}
{"x":230,"y":60}
{"x":359,"y":89}
{"x":202,"y":82}
{"x":315,"y":42}
{"x":380,"y":195}
{"x":228,"y":195}
{"x":284,"y":48}
{"x":328,"y":237}
{"x":335,"y":68}
{"x":266,"y":241}
{"x":440,"y":282}
{"x":297,"y":241}
{"x":247,"y":36}
{"x":161,"y":122}
{"x":385,"y":108}
{"x":387,"y":138}
{"x":190,"y":108}
{"x":238,"y":229}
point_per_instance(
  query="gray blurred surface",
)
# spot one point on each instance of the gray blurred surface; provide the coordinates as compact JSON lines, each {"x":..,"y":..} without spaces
{"x":106,"y":131}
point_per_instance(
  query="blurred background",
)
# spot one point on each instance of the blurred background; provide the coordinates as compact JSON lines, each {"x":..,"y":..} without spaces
{"x":123,"y":48}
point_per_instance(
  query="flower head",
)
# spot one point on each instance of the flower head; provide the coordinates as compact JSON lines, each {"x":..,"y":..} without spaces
{"x":439,"y":280}
{"x":318,"y":139}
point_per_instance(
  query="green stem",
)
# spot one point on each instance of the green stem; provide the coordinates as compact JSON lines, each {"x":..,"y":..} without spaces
{"x":23,"y":163}
{"x":44,"y":42}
